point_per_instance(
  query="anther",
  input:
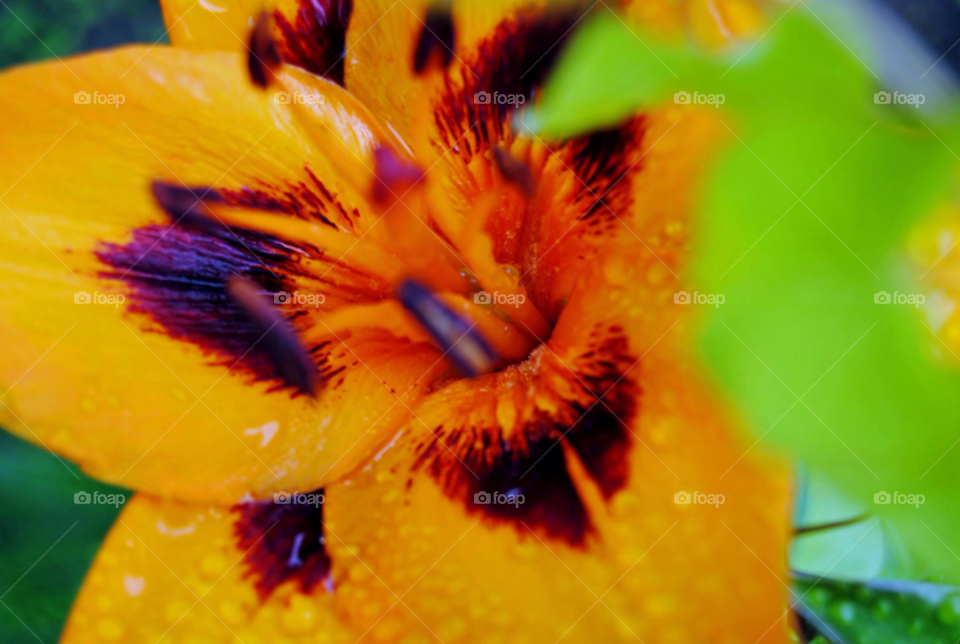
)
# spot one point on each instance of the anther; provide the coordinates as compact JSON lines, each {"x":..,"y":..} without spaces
{"x":263,"y":58}
{"x":513,"y":170}
{"x":393,"y":176}
{"x":288,"y":356}
{"x":186,"y":206}
{"x":462,"y":344}
{"x":437,"y":38}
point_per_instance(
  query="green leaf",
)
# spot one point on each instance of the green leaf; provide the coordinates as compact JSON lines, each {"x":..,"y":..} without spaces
{"x":879,"y":612}
{"x":804,"y":219}
{"x":46,"y":540}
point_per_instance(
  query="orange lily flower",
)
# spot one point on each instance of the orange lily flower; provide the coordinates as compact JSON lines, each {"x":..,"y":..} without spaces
{"x":378,"y":363}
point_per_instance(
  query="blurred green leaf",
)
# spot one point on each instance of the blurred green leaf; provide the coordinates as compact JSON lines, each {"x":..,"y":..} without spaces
{"x":46,"y":540}
{"x":41,"y":29}
{"x":803,"y":221}
{"x":38,"y":580}
{"x":879,"y":612}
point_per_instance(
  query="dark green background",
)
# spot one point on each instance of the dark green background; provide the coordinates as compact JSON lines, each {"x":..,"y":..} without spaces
{"x":36,"y":490}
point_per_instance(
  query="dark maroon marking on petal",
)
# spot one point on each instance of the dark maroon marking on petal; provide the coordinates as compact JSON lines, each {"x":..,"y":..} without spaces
{"x":602,"y":160}
{"x":437,"y":38}
{"x":317,"y":38}
{"x":602,"y":436}
{"x":314,"y":202}
{"x":177,"y":276}
{"x":282,"y":542}
{"x":531,"y":460}
{"x":551,"y":502}
{"x":514,"y":60}
{"x":263,"y":57}
{"x":289,"y":357}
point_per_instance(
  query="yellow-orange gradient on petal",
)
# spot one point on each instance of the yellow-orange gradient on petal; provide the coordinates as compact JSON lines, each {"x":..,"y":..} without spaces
{"x":600,"y":432}
{"x":145,"y":392}
{"x":511,"y":438}
{"x":935,"y":265}
{"x":171,"y":572}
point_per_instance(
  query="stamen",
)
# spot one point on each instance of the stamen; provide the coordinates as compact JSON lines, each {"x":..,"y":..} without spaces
{"x":513,"y":170}
{"x":509,"y":342}
{"x":462,"y":344}
{"x":437,"y":38}
{"x":394,"y":176}
{"x":263,"y":58}
{"x":212,"y":214}
{"x":187,"y":206}
{"x":287,"y":354}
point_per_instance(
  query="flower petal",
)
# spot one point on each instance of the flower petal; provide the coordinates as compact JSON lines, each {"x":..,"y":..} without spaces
{"x":403,"y":549}
{"x":311,"y":33}
{"x":601,"y":548}
{"x":381,"y":43}
{"x":711,"y":22}
{"x":170,"y":390}
{"x":177,"y":572}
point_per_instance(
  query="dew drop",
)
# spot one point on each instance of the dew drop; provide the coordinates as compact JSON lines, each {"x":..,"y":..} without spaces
{"x":110,"y":629}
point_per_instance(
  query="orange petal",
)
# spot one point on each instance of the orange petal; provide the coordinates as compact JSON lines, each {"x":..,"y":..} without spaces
{"x":381,"y":43}
{"x":171,"y":572}
{"x":665,"y":572}
{"x":635,"y":185}
{"x":932,"y":250}
{"x":711,"y":22}
{"x":408,"y":552}
{"x":310,"y":33}
{"x":164,"y":391}
{"x":599,"y":549}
